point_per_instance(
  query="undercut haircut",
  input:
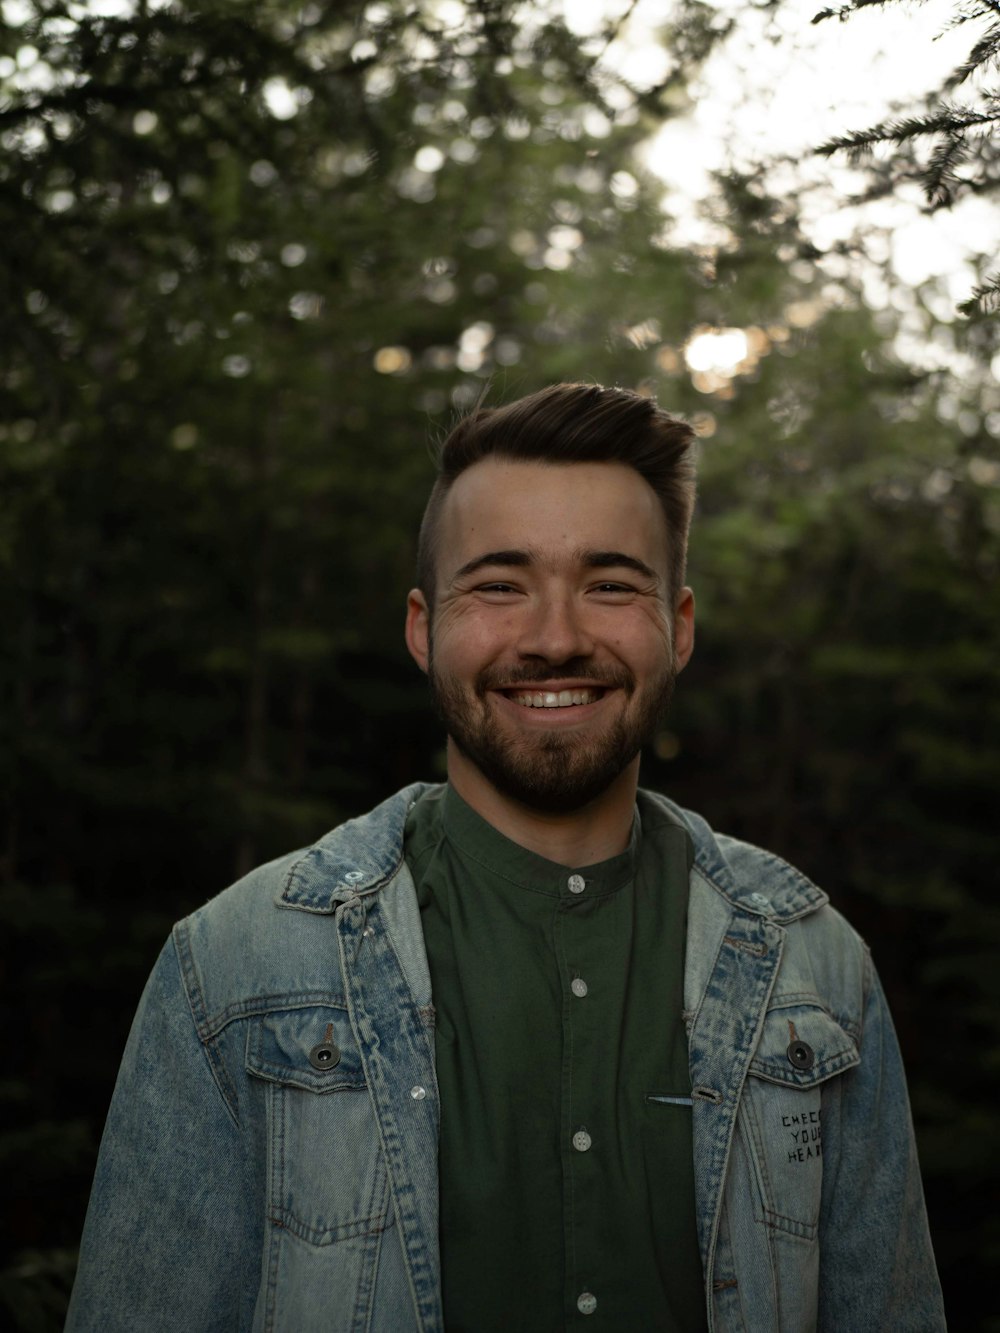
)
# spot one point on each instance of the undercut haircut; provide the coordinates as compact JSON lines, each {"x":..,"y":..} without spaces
{"x":573,"y":423}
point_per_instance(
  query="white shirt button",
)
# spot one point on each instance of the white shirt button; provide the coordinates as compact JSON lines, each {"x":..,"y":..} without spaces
{"x":418,"y":1093}
{"x":576,"y":884}
{"x":760,"y":899}
{"x":579,"y":987}
{"x":581,"y":1140}
{"x":586,"y":1302}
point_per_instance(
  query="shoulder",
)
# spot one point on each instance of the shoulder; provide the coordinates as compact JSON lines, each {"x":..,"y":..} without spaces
{"x":271,"y":937}
{"x":748,"y":877}
{"x":822,"y":954}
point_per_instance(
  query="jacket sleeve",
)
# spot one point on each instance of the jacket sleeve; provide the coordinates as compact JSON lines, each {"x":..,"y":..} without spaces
{"x":169,"y":1210}
{"x":877,"y":1269}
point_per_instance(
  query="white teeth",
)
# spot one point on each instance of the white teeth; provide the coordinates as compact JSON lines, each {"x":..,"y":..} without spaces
{"x":553,"y":699}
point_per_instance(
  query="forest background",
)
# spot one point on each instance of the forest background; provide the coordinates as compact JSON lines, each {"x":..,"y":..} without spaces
{"x":256,"y":258}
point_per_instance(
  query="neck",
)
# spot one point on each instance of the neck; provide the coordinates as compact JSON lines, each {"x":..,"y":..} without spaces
{"x":597,"y":831}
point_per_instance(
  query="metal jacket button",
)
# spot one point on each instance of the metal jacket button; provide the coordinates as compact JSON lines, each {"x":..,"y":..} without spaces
{"x":801,"y":1054}
{"x":324,"y":1056}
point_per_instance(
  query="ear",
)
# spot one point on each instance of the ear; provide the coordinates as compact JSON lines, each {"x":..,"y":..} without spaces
{"x":684,"y":627}
{"x":418,"y":628}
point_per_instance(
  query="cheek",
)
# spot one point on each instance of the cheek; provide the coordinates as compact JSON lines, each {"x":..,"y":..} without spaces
{"x":471,"y":641}
{"x":644,"y":641}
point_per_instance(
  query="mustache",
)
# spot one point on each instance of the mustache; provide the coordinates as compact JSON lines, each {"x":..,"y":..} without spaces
{"x":577,"y":668}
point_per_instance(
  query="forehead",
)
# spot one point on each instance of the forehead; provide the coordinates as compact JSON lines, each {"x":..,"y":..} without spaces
{"x":551,"y":509}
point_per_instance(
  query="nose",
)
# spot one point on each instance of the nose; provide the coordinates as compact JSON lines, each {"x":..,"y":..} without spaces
{"x":554,"y":630}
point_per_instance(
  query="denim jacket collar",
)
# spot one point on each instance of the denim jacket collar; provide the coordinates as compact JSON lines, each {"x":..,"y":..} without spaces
{"x":359,"y":857}
{"x":353,"y":860}
{"x":740,"y":872}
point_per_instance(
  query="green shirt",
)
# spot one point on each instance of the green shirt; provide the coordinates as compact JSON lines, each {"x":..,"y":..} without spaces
{"x":567,"y":1189}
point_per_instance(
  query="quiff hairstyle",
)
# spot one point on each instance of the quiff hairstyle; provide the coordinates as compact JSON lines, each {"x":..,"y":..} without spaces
{"x":573,"y":423}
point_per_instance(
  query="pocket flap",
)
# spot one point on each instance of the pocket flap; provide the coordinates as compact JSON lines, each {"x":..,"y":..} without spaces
{"x":801,"y":1045}
{"x":312,"y":1048}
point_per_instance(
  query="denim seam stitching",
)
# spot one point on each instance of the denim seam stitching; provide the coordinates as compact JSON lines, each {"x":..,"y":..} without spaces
{"x":258,"y":1006}
{"x":191,"y":985}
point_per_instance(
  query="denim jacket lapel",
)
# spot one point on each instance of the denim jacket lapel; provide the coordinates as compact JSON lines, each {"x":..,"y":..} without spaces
{"x":732,"y":962}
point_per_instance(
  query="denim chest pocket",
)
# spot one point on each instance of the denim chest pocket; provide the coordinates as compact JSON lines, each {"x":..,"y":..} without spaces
{"x":801,"y":1049}
{"x":326,"y":1174}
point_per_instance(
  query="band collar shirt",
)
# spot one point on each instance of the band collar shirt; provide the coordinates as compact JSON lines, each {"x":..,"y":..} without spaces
{"x":566,"y":1181}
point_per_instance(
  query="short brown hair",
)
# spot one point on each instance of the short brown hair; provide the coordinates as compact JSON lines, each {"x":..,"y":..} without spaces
{"x":573,"y":423}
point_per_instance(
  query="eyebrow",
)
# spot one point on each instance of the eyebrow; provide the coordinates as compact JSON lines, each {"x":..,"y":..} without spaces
{"x":615,"y":560}
{"x":516,"y":558}
{"x":591,"y":559}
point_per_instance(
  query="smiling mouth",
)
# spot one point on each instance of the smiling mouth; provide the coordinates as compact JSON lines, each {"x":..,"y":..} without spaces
{"x":554,"y":698}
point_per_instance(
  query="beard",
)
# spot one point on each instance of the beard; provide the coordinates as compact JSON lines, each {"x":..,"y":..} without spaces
{"x":553,"y":773}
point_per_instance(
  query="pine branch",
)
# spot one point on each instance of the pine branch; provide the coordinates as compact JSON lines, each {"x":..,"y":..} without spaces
{"x":947,"y":119}
{"x":940,"y":178}
{"x":960,"y":133}
{"x":615,"y":27}
{"x":845,"y":11}
{"x":972,"y":13}
{"x":985,"y":52}
{"x":985,"y":299}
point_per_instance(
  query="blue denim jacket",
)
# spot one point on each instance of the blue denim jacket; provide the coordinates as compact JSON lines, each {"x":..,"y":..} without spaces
{"x":248,"y":1181}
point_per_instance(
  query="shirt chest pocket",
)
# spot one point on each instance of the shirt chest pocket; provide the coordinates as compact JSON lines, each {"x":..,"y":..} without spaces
{"x":327,"y":1176}
{"x":801,"y":1050}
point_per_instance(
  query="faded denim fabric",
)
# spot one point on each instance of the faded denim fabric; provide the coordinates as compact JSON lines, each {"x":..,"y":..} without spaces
{"x":248,"y":1182}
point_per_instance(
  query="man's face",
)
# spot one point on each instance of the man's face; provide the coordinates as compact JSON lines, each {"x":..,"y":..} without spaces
{"x":552,"y":650}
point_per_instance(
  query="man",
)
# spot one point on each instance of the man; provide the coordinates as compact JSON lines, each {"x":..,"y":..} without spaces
{"x":533,"y":1050}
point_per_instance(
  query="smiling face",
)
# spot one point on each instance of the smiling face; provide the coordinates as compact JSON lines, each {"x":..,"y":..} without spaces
{"x":552,"y":649}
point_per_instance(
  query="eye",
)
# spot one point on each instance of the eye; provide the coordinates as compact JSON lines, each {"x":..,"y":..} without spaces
{"x":611,"y":589}
{"x":495,"y":587}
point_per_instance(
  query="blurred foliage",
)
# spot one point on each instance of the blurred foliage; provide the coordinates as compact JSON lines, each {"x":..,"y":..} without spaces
{"x":256,"y":259}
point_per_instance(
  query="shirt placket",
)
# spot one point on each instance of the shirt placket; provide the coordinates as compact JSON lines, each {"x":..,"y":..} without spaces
{"x":580,"y":1144}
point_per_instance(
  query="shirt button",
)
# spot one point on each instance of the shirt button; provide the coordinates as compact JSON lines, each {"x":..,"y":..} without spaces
{"x":576,"y":884}
{"x":761,"y":899}
{"x":581,"y":1140}
{"x":418,"y":1093}
{"x":579,"y":987}
{"x":586,"y":1302}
